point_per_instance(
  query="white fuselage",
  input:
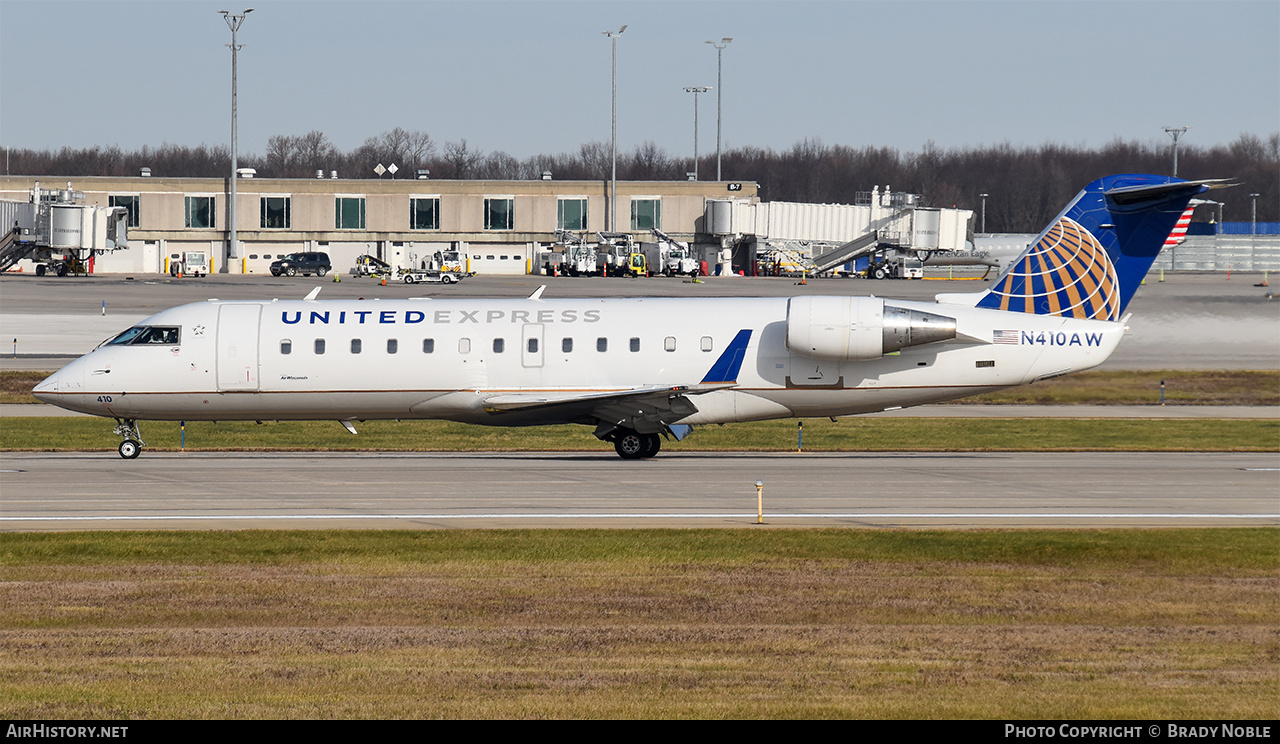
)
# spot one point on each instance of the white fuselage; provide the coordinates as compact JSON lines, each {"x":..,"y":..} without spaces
{"x":428,"y":358}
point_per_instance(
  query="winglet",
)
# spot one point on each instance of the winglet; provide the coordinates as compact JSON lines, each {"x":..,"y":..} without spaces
{"x":729,"y":364}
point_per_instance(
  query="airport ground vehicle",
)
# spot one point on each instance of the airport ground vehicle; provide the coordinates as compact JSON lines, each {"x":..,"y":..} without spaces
{"x":895,"y":267}
{"x":367,"y":265}
{"x":307,"y":263}
{"x":639,"y":369}
{"x":412,"y":276}
{"x":191,"y":263}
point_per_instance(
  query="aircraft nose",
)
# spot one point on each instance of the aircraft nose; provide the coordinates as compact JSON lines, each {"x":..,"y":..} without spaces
{"x":47,"y":387}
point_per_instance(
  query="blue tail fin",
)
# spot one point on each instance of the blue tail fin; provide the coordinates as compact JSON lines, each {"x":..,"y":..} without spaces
{"x":1091,"y":259}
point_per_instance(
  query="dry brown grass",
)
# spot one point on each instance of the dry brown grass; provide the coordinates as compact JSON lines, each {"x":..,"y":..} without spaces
{"x":638,"y":638}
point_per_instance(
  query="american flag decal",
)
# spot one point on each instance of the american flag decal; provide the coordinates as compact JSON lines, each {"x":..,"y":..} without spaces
{"x":1005,"y":337}
{"x":1179,"y":232}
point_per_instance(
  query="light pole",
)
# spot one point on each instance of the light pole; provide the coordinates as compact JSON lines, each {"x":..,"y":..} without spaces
{"x":233,"y":22}
{"x":613,"y":208}
{"x":719,"y":93}
{"x":984,"y":213}
{"x":1255,"y":196}
{"x":1176,"y":132}
{"x":695,"y":90}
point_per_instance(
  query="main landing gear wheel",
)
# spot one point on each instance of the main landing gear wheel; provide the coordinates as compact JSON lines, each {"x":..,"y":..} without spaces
{"x":631,"y":445}
{"x":130,"y":449}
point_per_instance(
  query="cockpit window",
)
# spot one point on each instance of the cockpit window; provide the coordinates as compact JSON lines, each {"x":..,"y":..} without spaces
{"x":142,"y":335}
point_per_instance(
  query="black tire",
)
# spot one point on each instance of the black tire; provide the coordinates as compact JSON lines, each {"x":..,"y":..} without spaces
{"x":446,"y":279}
{"x":630,"y":445}
{"x":652,"y":443}
{"x":880,"y":273}
{"x":408,"y":279}
{"x":41,"y":269}
{"x":130,"y":449}
{"x":290,"y":271}
{"x":322,"y":271}
{"x":62,"y":269}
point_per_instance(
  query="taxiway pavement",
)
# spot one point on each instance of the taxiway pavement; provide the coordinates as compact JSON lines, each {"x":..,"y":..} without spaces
{"x":99,"y":491}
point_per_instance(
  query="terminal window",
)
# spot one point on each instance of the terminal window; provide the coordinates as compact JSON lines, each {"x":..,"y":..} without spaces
{"x":348,"y":213}
{"x":200,"y":211}
{"x":128,"y":202}
{"x":499,"y":213}
{"x":424,"y":214}
{"x":275,"y":213}
{"x":646,"y":214}
{"x":571,"y":214}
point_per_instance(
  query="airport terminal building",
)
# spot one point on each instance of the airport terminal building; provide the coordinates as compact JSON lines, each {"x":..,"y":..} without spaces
{"x":500,"y":225}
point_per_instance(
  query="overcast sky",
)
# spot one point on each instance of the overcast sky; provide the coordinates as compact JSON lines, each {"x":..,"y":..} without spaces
{"x":533,"y":77}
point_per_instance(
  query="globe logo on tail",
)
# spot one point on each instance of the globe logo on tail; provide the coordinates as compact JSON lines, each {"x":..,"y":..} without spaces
{"x":1067,"y":273}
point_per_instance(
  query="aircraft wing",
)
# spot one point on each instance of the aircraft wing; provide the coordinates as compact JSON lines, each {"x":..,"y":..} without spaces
{"x":646,"y":409}
{"x":507,"y":402}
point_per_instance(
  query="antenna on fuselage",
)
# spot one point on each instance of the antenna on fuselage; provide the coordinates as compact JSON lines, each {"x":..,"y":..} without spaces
{"x":537,"y":293}
{"x":312,"y":294}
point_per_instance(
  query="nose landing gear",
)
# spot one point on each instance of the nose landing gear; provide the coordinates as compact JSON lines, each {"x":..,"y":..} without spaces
{"x":132,"y":445}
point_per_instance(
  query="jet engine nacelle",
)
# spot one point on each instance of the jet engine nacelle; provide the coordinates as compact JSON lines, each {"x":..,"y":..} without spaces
{"x":859,"y":327}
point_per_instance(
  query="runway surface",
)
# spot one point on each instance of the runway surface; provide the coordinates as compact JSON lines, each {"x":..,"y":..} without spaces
{"x":99,"y":491}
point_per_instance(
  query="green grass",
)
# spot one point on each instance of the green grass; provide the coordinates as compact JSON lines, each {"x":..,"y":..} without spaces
{"x":851,"y":434}
{"x":1142,"y":387}
{"x":1251,"y":551}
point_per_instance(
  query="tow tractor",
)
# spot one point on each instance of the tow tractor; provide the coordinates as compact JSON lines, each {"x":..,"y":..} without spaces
{"x":419,"y":276}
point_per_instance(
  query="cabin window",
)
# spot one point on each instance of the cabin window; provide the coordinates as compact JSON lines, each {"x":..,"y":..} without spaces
{"x":253,"y":257}
{"x":286,"y":347}
{"x":533,"y":346}
{"x":428,"y":345}
{"x":319,"y":346}
{"x":464,"y":346}
{"x":566,"y":345}
{"x":355,"y":345}
{"x":499,"y":345}
{"x":669,"y":343}
{"x":635,"y":344}
{"x":602,"y":344}
{"x":706,"y":343}
{"x":392,"y":346}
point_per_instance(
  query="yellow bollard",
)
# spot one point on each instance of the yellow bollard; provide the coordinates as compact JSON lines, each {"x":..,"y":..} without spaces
{"x":759,"y":502}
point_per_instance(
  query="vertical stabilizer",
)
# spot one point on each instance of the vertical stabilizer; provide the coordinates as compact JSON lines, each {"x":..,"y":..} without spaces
{"x":1091,"y":259}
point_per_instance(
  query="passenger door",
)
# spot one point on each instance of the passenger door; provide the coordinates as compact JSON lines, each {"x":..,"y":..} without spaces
{"x":238,"y":347}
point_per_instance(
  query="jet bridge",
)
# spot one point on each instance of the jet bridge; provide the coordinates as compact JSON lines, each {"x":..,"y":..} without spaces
{"x":788,"y":238}
{"x":57,"y":232}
